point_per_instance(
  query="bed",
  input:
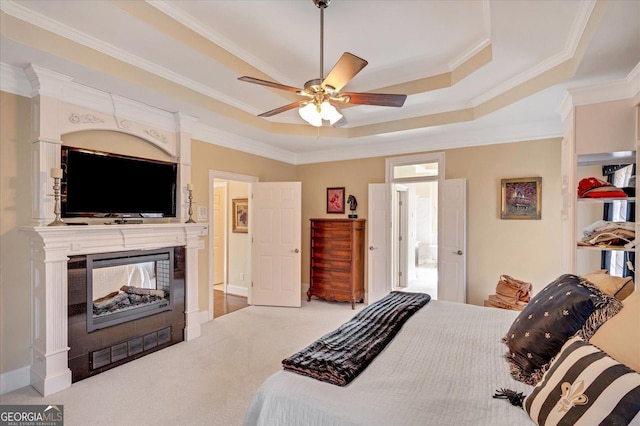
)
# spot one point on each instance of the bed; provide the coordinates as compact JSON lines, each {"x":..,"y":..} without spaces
{"x":443,"y":367}
{"x":445,"y":349}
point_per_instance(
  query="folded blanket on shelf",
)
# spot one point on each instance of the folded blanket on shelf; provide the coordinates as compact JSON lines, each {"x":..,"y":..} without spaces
{"x":341,"y":355}
{"x":604,"y":232}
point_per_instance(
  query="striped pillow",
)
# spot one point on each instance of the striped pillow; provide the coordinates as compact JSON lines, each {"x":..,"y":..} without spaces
{"x":584,"y":384}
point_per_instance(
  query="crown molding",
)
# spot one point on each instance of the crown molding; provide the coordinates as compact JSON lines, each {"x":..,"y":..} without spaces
{"x":624,"y":88}
{"x":425,"y":142}
{"x":13,"y":80}
{"x":45,"y":82}
{"x":225,"y":139}
{"x":97,"y":100}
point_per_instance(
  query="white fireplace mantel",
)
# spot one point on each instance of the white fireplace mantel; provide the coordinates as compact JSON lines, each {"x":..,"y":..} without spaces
{"x":50,"y":251}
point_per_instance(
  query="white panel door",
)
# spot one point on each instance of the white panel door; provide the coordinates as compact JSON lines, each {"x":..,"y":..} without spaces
{"x":379,"y":281}
{"x":275,"y":232}
{"x":452,"y":253}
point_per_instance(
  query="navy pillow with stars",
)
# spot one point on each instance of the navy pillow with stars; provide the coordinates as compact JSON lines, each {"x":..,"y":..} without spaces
{"x":564,"y":308}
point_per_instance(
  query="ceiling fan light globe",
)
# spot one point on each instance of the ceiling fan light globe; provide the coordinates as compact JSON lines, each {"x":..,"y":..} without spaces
{"x":310,"y":114}
{"x":329,"y":112}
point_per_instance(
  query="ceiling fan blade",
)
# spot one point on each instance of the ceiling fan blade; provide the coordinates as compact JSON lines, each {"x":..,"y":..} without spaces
{"x":283,"y":109}
{"x":268,"y":84}
{"x":377,"y":99}
{"x":344,"y":70}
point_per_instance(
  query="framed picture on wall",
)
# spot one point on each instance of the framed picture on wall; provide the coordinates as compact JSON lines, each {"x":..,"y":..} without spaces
{"x":335,"y":200}
{"x":240,"y":214}
{"x":521,"y":198}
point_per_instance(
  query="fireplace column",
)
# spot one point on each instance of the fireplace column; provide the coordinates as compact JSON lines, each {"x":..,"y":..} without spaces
{"x":49,"y":368}
{"x":191,"y":304}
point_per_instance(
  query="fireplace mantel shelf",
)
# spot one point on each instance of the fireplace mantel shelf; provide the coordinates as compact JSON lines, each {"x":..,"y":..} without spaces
{"x":51,"y":247}
{"x":86,"y":239}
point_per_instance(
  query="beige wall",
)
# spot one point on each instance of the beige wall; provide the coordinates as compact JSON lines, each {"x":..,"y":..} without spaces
{"x":15,"y":210}
{"x":354,"y":175}
{"x":206,"y":157}
{"x":525,"y":249}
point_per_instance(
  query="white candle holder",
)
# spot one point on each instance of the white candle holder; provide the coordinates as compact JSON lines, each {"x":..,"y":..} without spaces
{"x":190,"y":220}
{"x":56,"y":207}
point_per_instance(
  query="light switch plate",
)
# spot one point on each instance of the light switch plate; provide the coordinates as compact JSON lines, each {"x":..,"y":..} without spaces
{"x":202,"y":214}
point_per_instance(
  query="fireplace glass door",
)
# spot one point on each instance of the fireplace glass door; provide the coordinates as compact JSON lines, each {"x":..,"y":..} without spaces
{"x":126,"y":286}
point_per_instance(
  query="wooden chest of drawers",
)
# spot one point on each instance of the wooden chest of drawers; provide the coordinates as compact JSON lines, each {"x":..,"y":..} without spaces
{"x":337,"y":260}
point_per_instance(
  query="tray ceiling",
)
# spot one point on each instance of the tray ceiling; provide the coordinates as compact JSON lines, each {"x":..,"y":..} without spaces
{"x":475,"y":72}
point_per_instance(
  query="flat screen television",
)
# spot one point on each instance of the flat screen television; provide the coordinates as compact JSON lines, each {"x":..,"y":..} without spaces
{"x":100,"y":184}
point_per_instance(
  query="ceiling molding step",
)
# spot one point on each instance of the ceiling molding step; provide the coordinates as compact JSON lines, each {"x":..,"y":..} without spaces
{"x":61,"y":30}
{"x":465,"y":138}
{"x":18,"y":11}
{"x":579,"y":27}
{"x":469,"y":54}
{"x":218,"y":137}
{"x":624,"y":88}
{"x":193,"y":24}
{"x":568,"y":52}
{"x":474,"y":59}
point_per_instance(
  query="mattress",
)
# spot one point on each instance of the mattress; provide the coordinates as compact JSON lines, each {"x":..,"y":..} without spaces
{"x":442,"y":368}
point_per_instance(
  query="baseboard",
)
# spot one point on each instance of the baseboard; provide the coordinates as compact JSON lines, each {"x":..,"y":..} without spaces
{"x":237,"y":290}
{"x":203,"y":317}
{"x":15,"y":379}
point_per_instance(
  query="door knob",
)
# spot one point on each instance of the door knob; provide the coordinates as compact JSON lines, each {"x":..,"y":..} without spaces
{"x":372,"y":248}
{"x":296,"y":251}
{"x":459,"y":252}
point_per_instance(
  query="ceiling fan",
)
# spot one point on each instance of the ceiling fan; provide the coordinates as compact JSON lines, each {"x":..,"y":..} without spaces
{"x":321,"y":94}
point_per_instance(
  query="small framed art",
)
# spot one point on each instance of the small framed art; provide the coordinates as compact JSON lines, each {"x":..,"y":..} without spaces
{"x":240,"y":215}
{"x":335,"y":200}
{"x":521,"y":198}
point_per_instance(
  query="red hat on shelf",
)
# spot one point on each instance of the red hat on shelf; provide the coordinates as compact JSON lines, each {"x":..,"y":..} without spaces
{"x":592,"y":187}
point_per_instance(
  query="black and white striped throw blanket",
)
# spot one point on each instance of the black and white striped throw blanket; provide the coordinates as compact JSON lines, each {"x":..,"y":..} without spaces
{"x":341,"y":355}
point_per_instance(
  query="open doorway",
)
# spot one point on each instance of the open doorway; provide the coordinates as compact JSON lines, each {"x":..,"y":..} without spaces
{"x":229,"y":256}
{"x":414,"y":218}
{"x":392,"y":247}
{"x":418,"y":255}
{"x":416,"y":234}
{"x":224,"y":301}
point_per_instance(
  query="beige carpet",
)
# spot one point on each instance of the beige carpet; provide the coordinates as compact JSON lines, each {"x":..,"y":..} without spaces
{"x":208,"y":381}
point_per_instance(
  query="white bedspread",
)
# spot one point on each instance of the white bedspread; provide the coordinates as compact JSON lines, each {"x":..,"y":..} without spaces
{"x":441,"y":369}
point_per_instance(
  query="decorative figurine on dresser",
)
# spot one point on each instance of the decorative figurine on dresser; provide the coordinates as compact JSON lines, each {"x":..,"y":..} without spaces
{"x":337,"y":260}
